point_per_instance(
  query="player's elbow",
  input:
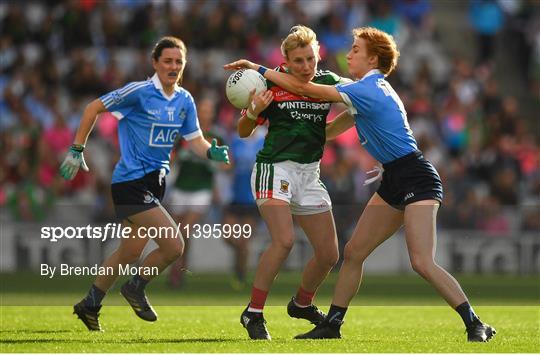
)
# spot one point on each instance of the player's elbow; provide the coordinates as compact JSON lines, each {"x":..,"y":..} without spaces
{"x":95,"y":105}
{"x":244,"y":128}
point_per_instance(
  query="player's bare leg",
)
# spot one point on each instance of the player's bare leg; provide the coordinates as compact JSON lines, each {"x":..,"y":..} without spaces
{"x":170,"y":246}
{"x":421,"y":237}
{"x":128,"y":252}
{"x":420,"y":232}
{"x":321,"y":232}
{"x":378,"y":222}
{"x":278,"y":218}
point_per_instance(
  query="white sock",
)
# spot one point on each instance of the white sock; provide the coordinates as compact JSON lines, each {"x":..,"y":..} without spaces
{"x":299,"y":305}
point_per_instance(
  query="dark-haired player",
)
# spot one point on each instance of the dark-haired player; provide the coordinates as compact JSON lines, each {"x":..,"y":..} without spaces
{"x":151,"y":115}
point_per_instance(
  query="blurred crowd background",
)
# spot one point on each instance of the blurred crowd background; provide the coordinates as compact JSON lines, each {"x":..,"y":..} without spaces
{"x":469,"y":76}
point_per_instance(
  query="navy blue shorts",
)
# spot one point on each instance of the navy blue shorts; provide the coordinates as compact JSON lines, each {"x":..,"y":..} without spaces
{"x":409,"y":179}
{"x":135,"y":196}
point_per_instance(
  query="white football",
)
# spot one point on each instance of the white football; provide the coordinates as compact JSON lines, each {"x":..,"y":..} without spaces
{"x":241,"y":83}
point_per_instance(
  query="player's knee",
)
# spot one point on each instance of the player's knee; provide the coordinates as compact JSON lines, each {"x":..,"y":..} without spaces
{"x":328,"y":258}
{"x":174,"y":251}
{"x":284,"y":244}
{"x":352,"y":254}
{"x":330,"y":261}
{"x":129,"y":256}
{"x":422,"y":266}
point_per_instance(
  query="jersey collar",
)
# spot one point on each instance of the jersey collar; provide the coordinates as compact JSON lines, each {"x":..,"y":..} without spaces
{"x":283,"y":68}
{"x":371,"y":72}
{"x":159,"y":86}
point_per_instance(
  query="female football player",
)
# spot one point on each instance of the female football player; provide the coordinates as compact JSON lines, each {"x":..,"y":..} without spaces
{"x":285,"y":181}
{"x":410,"y":192}
{"x":151,"y":115}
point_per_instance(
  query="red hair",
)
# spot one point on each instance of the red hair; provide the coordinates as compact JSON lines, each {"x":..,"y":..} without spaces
{"x":382,"y":45}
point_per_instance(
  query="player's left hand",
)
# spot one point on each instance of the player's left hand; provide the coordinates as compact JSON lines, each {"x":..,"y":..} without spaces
{"x":73,"y":161}
{"x":218,"y":152}
{"x":241,"y":64}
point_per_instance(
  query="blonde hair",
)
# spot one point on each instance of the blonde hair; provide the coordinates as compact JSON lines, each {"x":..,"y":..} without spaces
{"x":382,"y":45}
{"x":300,"y":36}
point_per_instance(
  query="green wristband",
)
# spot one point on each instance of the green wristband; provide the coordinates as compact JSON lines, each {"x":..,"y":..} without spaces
{"x":77,"y":147}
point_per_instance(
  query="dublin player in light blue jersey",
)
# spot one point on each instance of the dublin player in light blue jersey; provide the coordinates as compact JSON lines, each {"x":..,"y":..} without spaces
{"x":410,"y":192}
{"x":152,"y":114}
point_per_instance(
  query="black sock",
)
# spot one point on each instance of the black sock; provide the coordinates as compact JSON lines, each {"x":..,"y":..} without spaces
{"x":94,"y":297}
{"x":336,"y":312}
{"x":467,"y":314}
{"x":138,"y":282}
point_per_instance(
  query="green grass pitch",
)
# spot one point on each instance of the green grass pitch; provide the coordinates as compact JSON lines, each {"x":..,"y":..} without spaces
{"x":390,"y":314}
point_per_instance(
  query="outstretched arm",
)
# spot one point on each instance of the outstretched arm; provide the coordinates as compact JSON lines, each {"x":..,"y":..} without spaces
{"x":343,"y":122}
{"x":289,"y":82}
{"x":212,"y":151}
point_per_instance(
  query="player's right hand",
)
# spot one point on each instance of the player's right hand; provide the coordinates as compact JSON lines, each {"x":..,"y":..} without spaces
{"x":241,"y":64}
{"x":258,"y":103}
{"x":73,"y":161}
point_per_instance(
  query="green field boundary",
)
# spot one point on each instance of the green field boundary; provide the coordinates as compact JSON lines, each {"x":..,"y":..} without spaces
{"x":218,"y":289}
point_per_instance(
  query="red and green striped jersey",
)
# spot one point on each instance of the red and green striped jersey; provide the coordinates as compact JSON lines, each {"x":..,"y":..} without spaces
{"x":297,"y":124}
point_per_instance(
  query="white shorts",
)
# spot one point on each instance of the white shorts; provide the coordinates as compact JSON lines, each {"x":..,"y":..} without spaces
{"x":181,"y":201}
{"x":297,"y":184}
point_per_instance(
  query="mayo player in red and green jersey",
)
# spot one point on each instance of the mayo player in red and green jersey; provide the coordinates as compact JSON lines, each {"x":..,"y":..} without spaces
{"x":285,"y":181}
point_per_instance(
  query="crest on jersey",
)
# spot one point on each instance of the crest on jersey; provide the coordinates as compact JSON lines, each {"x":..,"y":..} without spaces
{"x":182,"y":115}
{"x":284,"y":186}
{"x":116,"y":97}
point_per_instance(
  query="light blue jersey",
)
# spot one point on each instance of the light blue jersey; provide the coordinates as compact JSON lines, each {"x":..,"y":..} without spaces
{"x":379,"y":115}
{"x":149,"y":124}
{"x":244,"y":151}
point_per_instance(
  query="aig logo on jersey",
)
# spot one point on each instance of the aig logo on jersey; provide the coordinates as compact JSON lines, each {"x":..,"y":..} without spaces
{"x":163,"y":135}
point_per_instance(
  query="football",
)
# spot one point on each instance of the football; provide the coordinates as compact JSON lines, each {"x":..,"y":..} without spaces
{"x":241,"y":83}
